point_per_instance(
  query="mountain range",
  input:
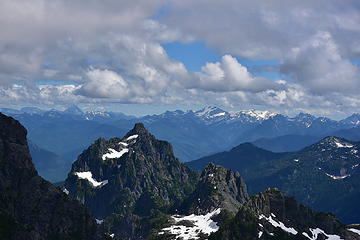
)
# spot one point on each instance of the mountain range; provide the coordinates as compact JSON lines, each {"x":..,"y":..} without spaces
{"x":135,"y":188}
{"x":66,"y":133}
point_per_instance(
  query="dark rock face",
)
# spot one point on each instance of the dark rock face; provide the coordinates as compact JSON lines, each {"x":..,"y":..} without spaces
{"x":272,"y":215}
{"x":136,"y":174}
{"x":218,"y":187}
{"x":30,"y":207}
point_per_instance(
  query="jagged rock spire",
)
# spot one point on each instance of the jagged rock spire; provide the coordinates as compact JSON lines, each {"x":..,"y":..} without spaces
{"x":218,"y":187}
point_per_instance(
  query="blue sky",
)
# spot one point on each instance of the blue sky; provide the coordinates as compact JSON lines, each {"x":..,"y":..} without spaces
{"x":196,"y":54}
{"x":300,"y":56}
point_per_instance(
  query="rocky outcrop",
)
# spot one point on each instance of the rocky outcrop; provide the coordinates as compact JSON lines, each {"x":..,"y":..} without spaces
{"x":272,"y":215}
{"x":30,"y":207}
{"x":218,"y":187}
{"x":134,"y":175}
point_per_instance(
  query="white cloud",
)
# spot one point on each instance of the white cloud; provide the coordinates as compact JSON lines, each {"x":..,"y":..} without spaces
{"x":110,"y":51}
{"x":230,"y":75}
{"x":265,"y":29}
{"x":318,"y":65}
{"x":104,"y":84}
{"x":42,"y":94}
{"x":45,"y":33}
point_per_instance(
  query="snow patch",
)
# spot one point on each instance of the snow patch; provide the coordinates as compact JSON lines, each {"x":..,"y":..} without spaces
{"x":99,"y":221}
{"x":296,"y":160}
{"x":124,"y":144}
{"x":218,"y":115}
{"x":278,"y":223}
{"x":114,"y":154}
{"x":258,"y":115}
{"x":342,"y":144}
{"x":337,"y":177}
{"x":132,"y":137}
{"x":316,"y":231}
{"x":88,"y":176}
{"x":201,"y":224}
{"x":66,"y":191}
{"x":354,"y":230}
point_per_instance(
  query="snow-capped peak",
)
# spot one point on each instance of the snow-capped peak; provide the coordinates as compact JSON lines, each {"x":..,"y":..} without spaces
{"x":210,"y":112}
{"x":256,"y":114}
{"x":215,"y":114}
{"x":338,"y":143}
{"x":352,"y":120}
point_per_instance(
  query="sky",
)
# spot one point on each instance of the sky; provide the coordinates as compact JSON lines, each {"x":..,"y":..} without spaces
{"x":147,"y":56}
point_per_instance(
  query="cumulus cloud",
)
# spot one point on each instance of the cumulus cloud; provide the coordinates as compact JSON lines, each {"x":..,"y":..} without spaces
{"x":104,"y":84}
{"x":318,"y":64}
{"x":42,"y":94}
{"x":230,"y":75}
{"x":45,"y":33}
{"x":265,"y":29}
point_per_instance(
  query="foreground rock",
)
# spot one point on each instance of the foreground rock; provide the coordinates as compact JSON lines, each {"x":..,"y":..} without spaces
{"x":272,"y":215}
{"x":30,"y":207}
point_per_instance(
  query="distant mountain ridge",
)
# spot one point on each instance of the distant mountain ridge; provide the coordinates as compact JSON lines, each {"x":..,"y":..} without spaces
{"x":241,"y":158}
{"x":49,"y":165}
{"x":287,"y":143}
{"x":138,"y":189}
{"x":193,"y":134}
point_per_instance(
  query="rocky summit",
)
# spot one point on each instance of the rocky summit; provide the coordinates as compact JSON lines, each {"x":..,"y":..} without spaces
{"x":136,"y":176}
{"x":30,"y":207}
{"x":218,"y":187}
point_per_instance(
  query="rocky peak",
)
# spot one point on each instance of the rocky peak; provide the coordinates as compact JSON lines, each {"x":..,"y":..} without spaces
{"x":273,"y":206}
{"x":123,"y":175}
{"x":139,"y":129}
{"x":304,"y":116}
{"x":14,"y":152}
{"x":353,"y":120}
{"x":218,"y":187}
{"x":331,"y":143}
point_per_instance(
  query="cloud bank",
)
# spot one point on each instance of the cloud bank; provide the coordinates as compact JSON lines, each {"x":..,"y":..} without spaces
{"x":87,"y":51}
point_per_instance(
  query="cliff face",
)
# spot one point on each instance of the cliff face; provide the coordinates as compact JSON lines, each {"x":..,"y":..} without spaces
{"x":30,"y":207}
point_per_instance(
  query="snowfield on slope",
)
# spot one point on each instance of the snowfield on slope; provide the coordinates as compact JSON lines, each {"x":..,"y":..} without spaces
{"x":200,"y":224}
{"x":88,"y":176}
{"x":114,"y":154}
{"x":271,"y":219}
